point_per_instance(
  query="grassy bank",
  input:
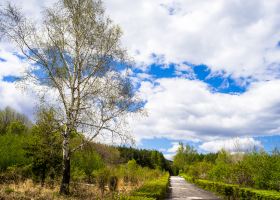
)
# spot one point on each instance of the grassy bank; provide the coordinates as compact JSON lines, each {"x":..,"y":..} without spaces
{"x":230,"y":191}
{"x":151,"y":190}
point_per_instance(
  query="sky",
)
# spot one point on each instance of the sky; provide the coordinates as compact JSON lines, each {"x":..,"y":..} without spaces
{"x":208,"y":71}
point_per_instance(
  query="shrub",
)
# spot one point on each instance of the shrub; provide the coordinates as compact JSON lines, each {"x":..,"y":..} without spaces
{"x":102,"y":179}
{"x":11,"y":151}
{"x":113,"y":183}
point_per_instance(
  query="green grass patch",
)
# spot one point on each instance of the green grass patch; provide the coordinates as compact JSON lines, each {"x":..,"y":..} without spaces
{"x":151,"y":190}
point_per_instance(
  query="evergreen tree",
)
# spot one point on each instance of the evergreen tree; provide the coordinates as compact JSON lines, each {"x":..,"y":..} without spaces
{"x":45,"y":147}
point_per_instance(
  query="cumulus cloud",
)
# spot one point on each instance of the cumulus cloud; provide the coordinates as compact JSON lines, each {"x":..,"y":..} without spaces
{"x":232,"y":145}
{"x":224,"y":34}
{"x":13,"y":96}
{"x":174,"y":148}
{"x":170,"y":153}
{"x":187,"y":109}
{"x":10,"y":64}
{"x":169,"y":156}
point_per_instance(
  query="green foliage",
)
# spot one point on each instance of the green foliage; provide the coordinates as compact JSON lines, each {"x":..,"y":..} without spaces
{"x":185,"y":156}
{"x":155,"y":188}
{"x":200,"y":169}
{"x":221,"y":172}
{"x":13,"y":135}
{"x":86,"y":161}
{"x":145,"y":158}
{"x":44,"y":147}
{"x":234,"y":191}
{"x":102,"y":177}
{"x":134,"y":174}
{"x":8,"y":116}
{"x":16,"y":127}
{"x":11,"y":151}
{"x":258,"y":170}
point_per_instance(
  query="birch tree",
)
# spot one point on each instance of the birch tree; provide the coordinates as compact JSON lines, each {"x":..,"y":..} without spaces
{"x":75,"y":53}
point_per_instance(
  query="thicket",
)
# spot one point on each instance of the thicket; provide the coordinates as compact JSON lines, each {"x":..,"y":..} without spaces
{"x":255,"y":169}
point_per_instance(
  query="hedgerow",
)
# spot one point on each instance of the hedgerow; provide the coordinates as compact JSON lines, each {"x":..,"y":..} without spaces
{"x":151,"y":190}
{"x":234,"y":191}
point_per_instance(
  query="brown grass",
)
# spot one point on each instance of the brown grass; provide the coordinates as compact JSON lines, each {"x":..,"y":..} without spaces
{"x":28,"y":190}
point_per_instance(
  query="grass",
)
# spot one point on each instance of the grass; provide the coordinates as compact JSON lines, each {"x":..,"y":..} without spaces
{"x":153,"y":189}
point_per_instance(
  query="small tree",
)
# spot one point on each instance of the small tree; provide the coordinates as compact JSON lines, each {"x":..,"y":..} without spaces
{"x":102,"y":177}
{"x":76,"y":55}
{"x":45,"y":147}
{"x":87,"y":160}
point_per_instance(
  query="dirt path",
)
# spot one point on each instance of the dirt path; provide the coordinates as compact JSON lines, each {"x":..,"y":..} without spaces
{"x":180,"y":189}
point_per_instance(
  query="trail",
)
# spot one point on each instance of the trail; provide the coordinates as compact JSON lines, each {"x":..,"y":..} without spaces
{"x":180,"y":189}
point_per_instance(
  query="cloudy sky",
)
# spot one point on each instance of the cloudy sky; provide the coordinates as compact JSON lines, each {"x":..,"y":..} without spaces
{"x":208,"y":71}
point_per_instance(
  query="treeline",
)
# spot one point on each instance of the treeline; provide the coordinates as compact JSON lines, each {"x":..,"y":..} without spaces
{"x":145,"y":158}
{"x":256,"y":169}
{"x":13,"y":122}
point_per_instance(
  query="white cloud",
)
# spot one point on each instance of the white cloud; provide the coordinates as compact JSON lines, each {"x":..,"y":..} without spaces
{"x":224,"y":34}
{"x":13,"y":65}
{"x":186,"y":109}
{"x":236,"y":36}
{"x":12,"y":96}
{"x":239,"y":37}
{"x":232,"y":145}
{"x":174,"y":148}
{"x":169,"y":156}
{"x":170,"y":153}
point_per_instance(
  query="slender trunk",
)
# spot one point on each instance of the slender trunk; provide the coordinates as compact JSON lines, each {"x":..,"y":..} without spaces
{"x":64,"y":187}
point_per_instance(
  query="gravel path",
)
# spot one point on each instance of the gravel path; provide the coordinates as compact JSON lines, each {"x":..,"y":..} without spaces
{"x":180,"y":189}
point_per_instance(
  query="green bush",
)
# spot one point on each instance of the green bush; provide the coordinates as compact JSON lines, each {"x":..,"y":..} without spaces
{"x":153,"y":189}
{"x":12,"y":152}
{"x":102,"y":176}
{"x":234,"y":191}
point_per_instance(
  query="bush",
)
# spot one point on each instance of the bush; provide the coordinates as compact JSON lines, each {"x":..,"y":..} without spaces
{"x":87,"y":161}
{"x":102,"y":179}
{"x":153,"y":189}
{"x":234,"y":191}
{"x":113,"y":183}
{"x":11,"y":151}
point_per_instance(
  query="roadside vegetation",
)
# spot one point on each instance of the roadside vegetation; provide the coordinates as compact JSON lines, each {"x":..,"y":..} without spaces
{"x":31,"y":164}
{"x":244,"y":175}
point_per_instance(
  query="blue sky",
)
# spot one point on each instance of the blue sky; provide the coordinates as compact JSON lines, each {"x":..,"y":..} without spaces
{"x":208,"y":71}
{"x":218,"y":83}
